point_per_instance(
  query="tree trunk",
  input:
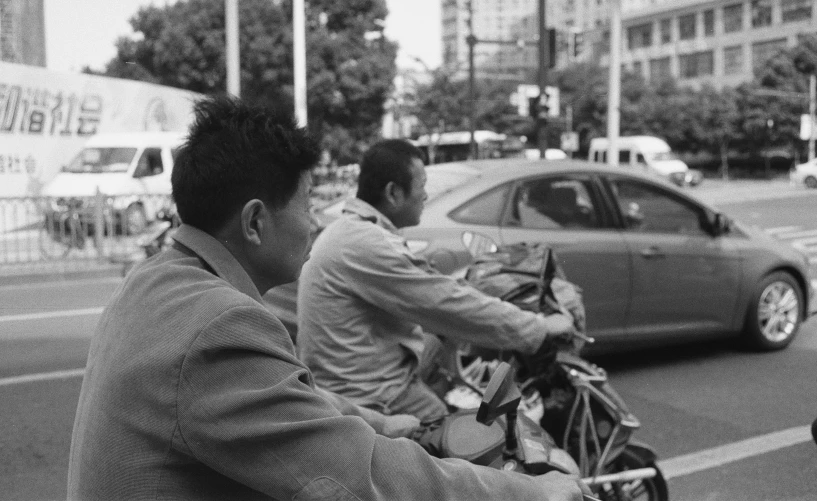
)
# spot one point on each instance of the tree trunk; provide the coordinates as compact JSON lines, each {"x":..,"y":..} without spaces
{"x":724,"y":147}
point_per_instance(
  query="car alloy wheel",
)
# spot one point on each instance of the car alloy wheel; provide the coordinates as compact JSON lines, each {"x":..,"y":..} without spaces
{"x":775,"y":316}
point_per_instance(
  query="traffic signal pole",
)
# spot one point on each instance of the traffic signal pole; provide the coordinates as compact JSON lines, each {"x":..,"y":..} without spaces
{"x":472,"y":98}
{"x":614,"y":94}
{"x":541,"y":120}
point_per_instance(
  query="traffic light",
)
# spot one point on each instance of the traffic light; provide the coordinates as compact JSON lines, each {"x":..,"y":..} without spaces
{"x":538,"y":107}
{"x":578,"y":44}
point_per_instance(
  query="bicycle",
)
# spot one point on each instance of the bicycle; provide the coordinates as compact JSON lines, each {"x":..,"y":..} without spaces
{"x":62,"y":231}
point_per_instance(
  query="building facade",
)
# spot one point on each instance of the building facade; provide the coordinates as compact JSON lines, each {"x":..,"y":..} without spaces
{"x":720,"y":42}
{"x":22,"y":32}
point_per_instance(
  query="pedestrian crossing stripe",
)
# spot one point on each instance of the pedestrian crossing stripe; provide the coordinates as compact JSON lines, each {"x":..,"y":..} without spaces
{"x":803,"y":240}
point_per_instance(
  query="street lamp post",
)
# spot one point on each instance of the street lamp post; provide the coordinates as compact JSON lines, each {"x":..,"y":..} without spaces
{"x":472,"y":112}
{"x":299,"y":60}
{"x":232,"y":51}
{"x":614,"y":94}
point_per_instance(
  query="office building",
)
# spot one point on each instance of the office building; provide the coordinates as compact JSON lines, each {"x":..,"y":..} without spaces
{"x":22,"y":32}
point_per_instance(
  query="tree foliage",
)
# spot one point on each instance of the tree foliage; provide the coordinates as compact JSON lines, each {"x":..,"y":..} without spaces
{"x":349,"y":71}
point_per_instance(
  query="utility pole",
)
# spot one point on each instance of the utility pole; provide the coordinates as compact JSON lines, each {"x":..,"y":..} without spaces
{"x":299,"y":60}
{"x":472,"y":98}
{"x":231,"y":29}
{"x":541,"y":120}
{"x":812,"y":111}
{"x":614,"y":95}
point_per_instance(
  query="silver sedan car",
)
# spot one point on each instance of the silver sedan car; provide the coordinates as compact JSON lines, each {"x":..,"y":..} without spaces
{"x":656,"y":265}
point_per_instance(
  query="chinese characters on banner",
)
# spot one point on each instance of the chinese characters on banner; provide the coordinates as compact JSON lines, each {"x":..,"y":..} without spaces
{"x":46,"y":117}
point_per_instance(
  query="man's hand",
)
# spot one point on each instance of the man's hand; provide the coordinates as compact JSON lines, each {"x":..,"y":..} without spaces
{"x":559,"y":325}
{"x":560,"y":487}
{"x":400,"y":426}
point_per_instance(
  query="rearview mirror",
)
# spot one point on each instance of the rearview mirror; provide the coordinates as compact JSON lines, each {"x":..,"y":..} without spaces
{"x":478,"y":244}
{"x":501,"y":396}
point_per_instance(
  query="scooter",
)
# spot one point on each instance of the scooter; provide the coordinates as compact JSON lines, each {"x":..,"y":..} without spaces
{"x":496,"y":435}
{"x":158,"y":235}
{"x":569,"y":397}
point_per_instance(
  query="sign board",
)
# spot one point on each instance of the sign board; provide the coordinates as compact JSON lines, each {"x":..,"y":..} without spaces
{"x":525,"y":92}
{"x":570,"y":141}
{"x":46,"y":117}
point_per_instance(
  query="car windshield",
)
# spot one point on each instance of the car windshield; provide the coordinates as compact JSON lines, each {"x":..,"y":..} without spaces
{"x":98,"y":160}
{"x":661,"y":156}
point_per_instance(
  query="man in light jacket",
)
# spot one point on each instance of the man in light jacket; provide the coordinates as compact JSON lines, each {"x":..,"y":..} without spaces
{"x":193,"y":389}
{"x":365,"y":301}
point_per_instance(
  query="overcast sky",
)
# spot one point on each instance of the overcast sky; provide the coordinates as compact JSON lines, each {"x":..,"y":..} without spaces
{"x":83,"y":32}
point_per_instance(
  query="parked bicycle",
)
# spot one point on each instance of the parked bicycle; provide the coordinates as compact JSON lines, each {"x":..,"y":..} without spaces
{"x":63,"y":231}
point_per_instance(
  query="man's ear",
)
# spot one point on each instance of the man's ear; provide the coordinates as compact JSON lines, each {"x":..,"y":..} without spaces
{"x":393,"y":194}
{"x":253,"y":221}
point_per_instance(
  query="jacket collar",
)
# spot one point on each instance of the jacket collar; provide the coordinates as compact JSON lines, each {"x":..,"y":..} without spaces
{"x":366,"y":212}
{"x":218,"y":258}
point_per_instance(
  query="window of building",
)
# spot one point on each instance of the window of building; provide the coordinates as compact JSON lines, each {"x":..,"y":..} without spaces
{"x":709,"y":23}
{"x":761,"y":13}
{"x":733,"y":60}
{"x":686,"y":27}
{"x":763,"y":51}
{"x":666,"y":31}
{"x":638,"y":68}
{"x":660,"y":69}
{"x":697,"y":64}
{"x":639,"y":36}
{"x":733,"y":18}
{"x":795,"y":10}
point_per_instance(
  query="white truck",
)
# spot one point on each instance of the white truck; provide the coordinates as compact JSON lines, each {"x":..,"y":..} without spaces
{"x":648,"y":154}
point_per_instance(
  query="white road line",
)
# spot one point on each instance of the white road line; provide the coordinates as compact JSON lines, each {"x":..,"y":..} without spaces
{"x":796,"y":235}
{"x":44,"y":376}
{"x":55,"y":283}
{"x":736,"y":451}
{"x":51,"y":314}
{"x":782,"y":229}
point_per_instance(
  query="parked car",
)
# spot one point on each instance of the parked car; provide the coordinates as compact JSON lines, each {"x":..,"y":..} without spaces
{"x":805,"y":173}
{"x":656,"y":265}
{"x":133,"y":169}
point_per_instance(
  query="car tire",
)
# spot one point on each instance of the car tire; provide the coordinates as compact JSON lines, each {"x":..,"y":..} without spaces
{"x":775,"y":313}
{"x":811,"y":182}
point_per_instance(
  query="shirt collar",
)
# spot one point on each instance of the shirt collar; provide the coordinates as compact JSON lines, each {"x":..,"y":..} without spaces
{"x":218,"y":258}
{"x":365,"y":211}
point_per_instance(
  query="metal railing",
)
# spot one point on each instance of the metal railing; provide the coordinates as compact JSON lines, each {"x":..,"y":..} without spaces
{"x":77,"y":232}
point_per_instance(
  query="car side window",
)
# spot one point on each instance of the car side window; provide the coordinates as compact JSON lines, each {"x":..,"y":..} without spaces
{"x":485,"y":209}
{"x":150,"y":163}
{"x":554,"y":203}
{"x":624,"y":157}
{"x":650,"y":209}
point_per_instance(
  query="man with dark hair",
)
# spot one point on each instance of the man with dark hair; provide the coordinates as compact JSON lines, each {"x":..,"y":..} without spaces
{"x":365,"y":300}
{"x":193,"y":389}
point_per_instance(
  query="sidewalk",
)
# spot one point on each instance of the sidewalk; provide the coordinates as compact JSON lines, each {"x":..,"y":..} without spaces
{"x":717,"y":191}
{"x":711,"y":191}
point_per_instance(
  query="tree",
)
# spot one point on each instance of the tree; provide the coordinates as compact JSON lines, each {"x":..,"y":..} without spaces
{"x":350,"y":65}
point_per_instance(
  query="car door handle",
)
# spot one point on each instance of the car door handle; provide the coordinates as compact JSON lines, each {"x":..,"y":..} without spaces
{"x":653,"y":252}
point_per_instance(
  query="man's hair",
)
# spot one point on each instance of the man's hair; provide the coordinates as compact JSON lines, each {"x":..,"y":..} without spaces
{"x":386,"y":161}
{"x":234,"y":153}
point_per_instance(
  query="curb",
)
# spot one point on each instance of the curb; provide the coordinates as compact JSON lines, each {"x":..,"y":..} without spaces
{"x":24,"y":275}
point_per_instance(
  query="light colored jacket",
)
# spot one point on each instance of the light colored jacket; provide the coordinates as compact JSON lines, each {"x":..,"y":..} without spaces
{"x":364,"y":300}
{"x":193,"y":391}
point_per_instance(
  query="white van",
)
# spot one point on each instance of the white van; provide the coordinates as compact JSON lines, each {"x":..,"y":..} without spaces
{"x":648,"y":154}
{"x":132,"y":169}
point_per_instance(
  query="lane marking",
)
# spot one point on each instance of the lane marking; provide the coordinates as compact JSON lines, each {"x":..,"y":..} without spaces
{"x":51,"y":314}
{"x":805,"y":235}
{"x":782,"y":229}
{"x":55,"y":283}
{"x":736,"y":451}
{"x":43,"y":376}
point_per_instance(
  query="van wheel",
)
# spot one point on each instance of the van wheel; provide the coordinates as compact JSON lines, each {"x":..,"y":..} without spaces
{"x":134,"y":220}
{"x":774,"y":315}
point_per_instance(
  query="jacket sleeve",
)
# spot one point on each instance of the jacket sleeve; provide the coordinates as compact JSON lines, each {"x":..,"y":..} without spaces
{"x":247,"y":409}
{"x":384,"y":273}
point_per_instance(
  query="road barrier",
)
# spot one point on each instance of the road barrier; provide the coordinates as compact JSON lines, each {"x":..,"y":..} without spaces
{"x":95,"y":229}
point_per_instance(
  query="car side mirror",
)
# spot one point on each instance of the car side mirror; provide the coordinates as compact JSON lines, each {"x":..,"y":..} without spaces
{"x":720,"y":224}
{"x":478,"y":244}
{"x":501,"y":397}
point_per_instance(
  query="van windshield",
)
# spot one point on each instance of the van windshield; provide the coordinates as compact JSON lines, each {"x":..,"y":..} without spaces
{"x":661,"y":156}
{"x":99,"y":160}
